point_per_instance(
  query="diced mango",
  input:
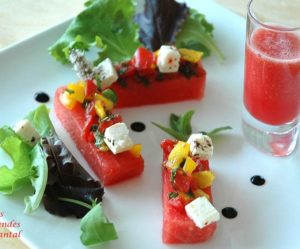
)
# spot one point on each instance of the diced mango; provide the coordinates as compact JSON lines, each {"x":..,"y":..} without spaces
{"x":107,"y":103}
{"x":66,"y":100}
{"x":204,"y":179}
{"x":189,"y":165}
{"x":199,"y":193}
{"x":76,"y":91}
{"x":178,"y":154}
{"x":136,"y":150}
{"x":185,"y":198}
{"x":190,"y":55}
{"x":100,"y":109}
{"x":103,"y":147}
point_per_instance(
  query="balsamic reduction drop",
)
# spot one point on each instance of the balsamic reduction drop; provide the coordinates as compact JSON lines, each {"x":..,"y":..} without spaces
{"x":41,"y":97}
{"x":229,"y":212}
{"x":257,"y":180}
{"x":138,"y":126}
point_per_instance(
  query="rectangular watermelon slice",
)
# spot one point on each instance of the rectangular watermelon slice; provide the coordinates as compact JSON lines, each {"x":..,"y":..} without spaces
{"x":138,"y":90}
{"x":177,"y":226}
{"x":110,"y":168}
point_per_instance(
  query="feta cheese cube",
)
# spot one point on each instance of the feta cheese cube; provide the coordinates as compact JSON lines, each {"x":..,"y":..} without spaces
{"x":168,"y":59}
{"x":201,"y":146}
{"x":106,"y":72}
{"x":117,"y":138}
{"x":25,"y":130}
{"x":202,"y":212}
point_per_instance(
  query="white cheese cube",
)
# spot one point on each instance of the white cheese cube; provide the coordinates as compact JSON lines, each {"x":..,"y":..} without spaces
{"x":117,"y":138}
{"x":202,"y":212}
{"x":201,"y":146}
{"x":106,"y":72}
{"x":168,"y":59}
{"x":25,"y":130}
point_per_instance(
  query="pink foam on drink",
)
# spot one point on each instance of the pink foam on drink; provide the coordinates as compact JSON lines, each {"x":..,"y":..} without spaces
{"x":278,"y":45}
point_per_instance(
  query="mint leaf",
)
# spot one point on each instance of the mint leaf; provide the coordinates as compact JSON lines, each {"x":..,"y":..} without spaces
{"x":181,"y":128}
{"x":216,"y":131}
{"x":96,"y":228}
{"x":185,"y":123}
{"x":172,"y":132}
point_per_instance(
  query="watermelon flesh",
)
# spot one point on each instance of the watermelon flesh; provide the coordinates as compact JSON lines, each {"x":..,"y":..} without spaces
{"x":177,"y":226}
{"x":174,"y":87}
{"x":108,"y":167}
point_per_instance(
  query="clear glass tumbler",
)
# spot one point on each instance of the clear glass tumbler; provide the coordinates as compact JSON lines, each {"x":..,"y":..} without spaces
{"x":272,"y":76}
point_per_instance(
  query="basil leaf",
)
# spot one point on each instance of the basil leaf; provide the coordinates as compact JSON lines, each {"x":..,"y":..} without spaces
{"x":96,"y":228}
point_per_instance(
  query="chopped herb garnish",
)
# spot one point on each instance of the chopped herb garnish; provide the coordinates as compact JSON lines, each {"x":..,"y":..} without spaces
{"x":173,"y":175}
{"x":143,"y":79}
{"x":111,"y":95}
{"x":122,"y":82}
{"x":99,"y":137}
{"x":85,"y":103}
{"x":173,"y":195}
{"x":69,"y":91}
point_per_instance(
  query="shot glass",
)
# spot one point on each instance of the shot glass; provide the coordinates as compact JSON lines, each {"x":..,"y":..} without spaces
{"x":272,"y":76}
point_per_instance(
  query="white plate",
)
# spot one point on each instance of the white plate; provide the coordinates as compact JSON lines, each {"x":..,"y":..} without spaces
{"x":268,"y":216}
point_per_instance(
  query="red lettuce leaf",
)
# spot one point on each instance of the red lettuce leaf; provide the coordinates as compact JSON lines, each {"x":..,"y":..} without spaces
{"x":160,"y":22}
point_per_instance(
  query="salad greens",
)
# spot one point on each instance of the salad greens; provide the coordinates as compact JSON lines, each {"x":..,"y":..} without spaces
{"x":29,"y":163}
{"x":181,"y":128}
{"x":19,"y":151}
{"x":40,"y":120}
{"x":104,"y":24}
{"x":33,"y":163}
{"x":38,"y":181}
{"x":196,"y":33}
{"x":160,"y":22}
{"x":96,"y":228}
{"x":115,"y":30}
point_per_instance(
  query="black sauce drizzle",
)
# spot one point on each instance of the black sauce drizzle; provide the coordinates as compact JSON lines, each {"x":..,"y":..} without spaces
{"x":257,"y":180}
{"x":138,"y":126}
{"x":229,"y":212}
{"x":41,"y":97}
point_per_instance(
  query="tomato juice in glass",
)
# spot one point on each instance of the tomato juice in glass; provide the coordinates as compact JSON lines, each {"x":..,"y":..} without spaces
{"x":272,"y":77}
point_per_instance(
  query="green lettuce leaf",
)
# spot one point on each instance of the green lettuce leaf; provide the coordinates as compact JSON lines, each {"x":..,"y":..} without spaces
{"x":38,"y":181}
{"x":96,"y":228}
{"x":40,"y":120}
{"x":107,"y":25}
{"x":19,"y":151}
{"x":196,"y":33}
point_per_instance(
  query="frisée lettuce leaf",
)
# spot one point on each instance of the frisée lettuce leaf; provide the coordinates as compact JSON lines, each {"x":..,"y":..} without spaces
{"x":104,"y":24}
{"x":196,"y":33}
{"x":96,"y":228}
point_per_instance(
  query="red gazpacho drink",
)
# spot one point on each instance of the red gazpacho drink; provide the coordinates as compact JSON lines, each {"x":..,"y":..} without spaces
{"x":272,"y":76}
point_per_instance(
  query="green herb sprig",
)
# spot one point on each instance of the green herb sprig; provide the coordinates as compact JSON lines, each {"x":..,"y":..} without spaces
{"x":181,"y":128}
